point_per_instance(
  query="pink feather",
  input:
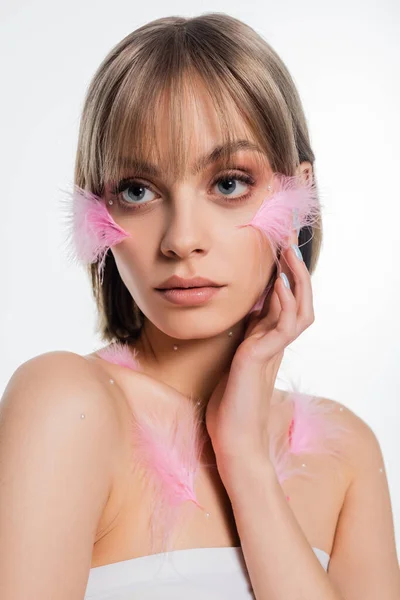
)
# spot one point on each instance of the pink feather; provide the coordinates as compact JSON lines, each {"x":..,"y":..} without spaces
{"x":313,"y":430}
{"x":120,"y":354}
{"x":169,"y":445}
{"x":91,"y":228}
{"x":292,"y":205}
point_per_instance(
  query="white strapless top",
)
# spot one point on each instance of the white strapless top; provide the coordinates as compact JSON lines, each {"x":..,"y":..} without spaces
{"x":196,"y":573}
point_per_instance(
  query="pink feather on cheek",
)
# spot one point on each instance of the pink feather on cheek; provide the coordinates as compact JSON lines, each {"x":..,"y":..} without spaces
{"x":293,"y":204}
{"x":92,"y":229}
{"x":290,"y":198}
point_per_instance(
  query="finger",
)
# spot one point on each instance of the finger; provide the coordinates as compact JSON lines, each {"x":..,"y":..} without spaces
{"x":271,"y":307}
{"x":302,"y":288}
{"x":274,"y":340}
{"x":275,"y":309}
{"x":287,"y":321}
{"x":269,"y":315}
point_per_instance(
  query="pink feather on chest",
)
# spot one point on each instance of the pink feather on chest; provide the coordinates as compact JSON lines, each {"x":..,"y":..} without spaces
{"x":168,"y":444}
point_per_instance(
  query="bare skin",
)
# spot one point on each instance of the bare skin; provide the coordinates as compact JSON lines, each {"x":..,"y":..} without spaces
{"x":83,"y":496}
{"x":122,"y":532}
{"x":186,"y":227}
{"x":187,"y":230}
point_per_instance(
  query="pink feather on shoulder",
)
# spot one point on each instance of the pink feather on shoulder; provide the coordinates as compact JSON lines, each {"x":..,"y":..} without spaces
{"x":120,"y":354}
{"x":314,"y":429}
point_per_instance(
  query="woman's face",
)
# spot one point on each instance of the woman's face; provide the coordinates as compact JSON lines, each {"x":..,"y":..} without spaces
{"x":187,"y":227}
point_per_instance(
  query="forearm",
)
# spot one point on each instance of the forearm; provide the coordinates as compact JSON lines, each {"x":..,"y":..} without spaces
{"x":279,"y":559}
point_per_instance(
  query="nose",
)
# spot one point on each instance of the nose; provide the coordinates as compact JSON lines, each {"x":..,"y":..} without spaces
{"x":186,"y":231}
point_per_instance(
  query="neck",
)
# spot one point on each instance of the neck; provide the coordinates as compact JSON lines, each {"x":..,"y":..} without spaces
{"x":194,"y":366}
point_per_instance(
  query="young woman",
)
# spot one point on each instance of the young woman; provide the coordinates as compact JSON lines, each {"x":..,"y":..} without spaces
{"x":167,"y":464}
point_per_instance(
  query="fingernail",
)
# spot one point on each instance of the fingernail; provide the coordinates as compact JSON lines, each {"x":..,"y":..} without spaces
{"x":297,"y":252}
{"x":285,"y":280}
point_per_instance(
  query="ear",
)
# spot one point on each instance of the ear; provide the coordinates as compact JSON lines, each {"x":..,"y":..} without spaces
{"x":305,"y":170}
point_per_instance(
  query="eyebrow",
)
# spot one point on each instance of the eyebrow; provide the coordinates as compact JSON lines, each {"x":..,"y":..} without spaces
{"x":202,"y":163}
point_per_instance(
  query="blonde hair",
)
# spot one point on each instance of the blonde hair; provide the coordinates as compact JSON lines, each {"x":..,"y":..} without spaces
{"x":152,"y":67}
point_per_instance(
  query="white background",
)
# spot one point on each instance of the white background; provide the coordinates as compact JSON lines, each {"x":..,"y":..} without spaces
{"x":344,"y":58}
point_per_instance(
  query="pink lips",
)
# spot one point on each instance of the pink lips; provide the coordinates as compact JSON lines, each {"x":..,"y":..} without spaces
{"x":175,"y":281}
{"x":189,"y":296}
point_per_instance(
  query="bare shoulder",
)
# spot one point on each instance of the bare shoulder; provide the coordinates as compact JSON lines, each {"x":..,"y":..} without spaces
{"x":359,"y":445}
{"x":59,"y":440}
{"x":60,"y":386}
{"x":50,"y":365}
{"x":49,"y":379}
{"x":353,"y":439}
{"x":364,"y":562}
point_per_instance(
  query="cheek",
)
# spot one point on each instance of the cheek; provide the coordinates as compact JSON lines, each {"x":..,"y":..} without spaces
{"x":253,"y":260}
{"x":134,"y":260}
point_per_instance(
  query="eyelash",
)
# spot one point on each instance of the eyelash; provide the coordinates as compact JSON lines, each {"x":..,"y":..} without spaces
{"x":231,"y":174}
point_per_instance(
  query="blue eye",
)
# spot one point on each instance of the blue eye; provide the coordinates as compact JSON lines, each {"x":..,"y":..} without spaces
{"x":135,"y":191}
{"x":131,"y":192}
{"x":228,"y":179}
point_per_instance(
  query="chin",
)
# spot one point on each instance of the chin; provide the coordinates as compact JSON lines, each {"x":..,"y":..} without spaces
{"x":193,"y":326}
